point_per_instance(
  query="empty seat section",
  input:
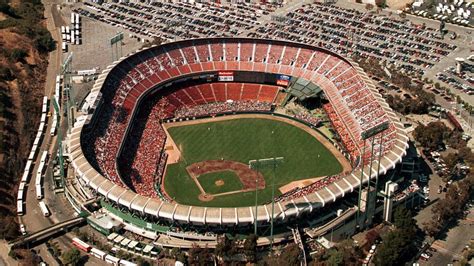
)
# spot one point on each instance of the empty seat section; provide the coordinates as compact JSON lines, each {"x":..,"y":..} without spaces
{"x":234,"y":90}
{"x":303,"y":58}
{"x":246,"y":51}
{"x":289,"y":56}
{"x":217,"y":49}
{"x":207,"y":93}
{"x":184,"y":97}
{"x":328,"y":65}
{"x":172,"y":99}
{"x":260,"y":52}
{"x":317,"y":60}
{"x":267,"y":93}
{"x":204,"y":56}
{"x":196,"y":95}
{"x":250,"y":91}
{"x":219,"y":90}
{"x":274,"y":54}
{"x":231,"y":52}
{"x":175,"y":55}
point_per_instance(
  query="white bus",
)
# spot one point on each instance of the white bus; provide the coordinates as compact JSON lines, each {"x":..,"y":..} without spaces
{"x":39,"y":192}
{"x":126,"y":263}
{"x":44,"y":156}
{"x":19,"y":207}
{"x":98,"y":253}
{"x":20,"y":194}
{"x":112,"y":260}
{"x":44,"y":208}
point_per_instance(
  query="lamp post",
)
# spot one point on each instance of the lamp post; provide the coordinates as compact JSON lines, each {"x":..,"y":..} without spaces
{"x":257,"y":165}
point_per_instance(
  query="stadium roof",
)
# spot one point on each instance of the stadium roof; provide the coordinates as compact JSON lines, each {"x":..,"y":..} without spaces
{"x":302,"y":88}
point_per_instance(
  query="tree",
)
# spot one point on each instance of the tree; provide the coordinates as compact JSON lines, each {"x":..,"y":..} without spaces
{"x":350,"y":252}
{"x":250,"y":247}
{"x":18,"y":55}
{"x":335,"y":257}
{"x":403,"y":219}
{"x":72,"y":257}
{"x":369,"y":7}
{"x":290,"y":255}
{"x":432,"y":135}
{"x":395,"y":249}
{"x":44,"y":42}
{"x":223,"y":247}
{"x":199,"y":256}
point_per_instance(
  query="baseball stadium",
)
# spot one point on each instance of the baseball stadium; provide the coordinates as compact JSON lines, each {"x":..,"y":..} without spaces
{"x":225,"y":134}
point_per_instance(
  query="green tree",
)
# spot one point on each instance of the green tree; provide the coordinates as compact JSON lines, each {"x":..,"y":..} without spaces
{"x":223,"y":247}
{"x":18,"y":55}
{"x":432,"y":135}
{"x":335,"y":257}
{"x":290,"y":255}
{"x":250,"y":247}
{"x":72,"y":257}
{"x":403,"y":219}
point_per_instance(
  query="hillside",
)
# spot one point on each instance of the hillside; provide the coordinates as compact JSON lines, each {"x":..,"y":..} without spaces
{"x":24,"y":46}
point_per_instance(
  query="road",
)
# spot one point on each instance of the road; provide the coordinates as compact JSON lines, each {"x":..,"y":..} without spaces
{"x":33,"y":218}
{"x":451,"y":246}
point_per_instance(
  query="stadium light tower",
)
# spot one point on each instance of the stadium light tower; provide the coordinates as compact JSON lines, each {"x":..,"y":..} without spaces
{"x":370,"y":200}
{"x":114,"y":41}
{"x":259,"y":164}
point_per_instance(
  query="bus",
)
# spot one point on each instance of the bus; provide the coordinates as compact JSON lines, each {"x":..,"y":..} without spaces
{"x":98,"y":253}
{"x":39,"y":192}
{"x":44,"y":208}
{"x":126,"y":263}
{"x":19,"y":207}
{"x":112,"y":260}
{"x":81,"y":245}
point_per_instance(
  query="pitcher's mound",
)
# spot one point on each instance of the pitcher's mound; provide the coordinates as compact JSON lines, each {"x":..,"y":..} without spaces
{"x":205,"y":197}
{"x":219,"y":182}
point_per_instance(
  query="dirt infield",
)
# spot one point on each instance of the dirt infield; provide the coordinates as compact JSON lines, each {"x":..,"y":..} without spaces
{"x":247,"y":176}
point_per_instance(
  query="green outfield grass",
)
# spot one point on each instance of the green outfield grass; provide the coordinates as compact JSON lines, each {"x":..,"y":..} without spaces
{"x":243,"y":140}
{"x":230,"y":178}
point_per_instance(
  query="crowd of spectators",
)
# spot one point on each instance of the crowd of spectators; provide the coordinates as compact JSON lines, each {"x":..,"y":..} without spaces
{"x":308,"y":118}
{"x":143,"y":157}
{"x":299,"y":192}
{"x":215,"y":108}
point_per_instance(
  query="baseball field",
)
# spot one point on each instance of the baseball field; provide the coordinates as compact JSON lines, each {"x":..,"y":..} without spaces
{"x":215,"y":155}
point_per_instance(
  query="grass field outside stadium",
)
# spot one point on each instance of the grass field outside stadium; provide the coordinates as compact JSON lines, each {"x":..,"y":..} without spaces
{"x":242,"y":140}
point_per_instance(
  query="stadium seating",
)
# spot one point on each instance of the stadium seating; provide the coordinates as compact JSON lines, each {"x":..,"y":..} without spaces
{"x":352,"y":108}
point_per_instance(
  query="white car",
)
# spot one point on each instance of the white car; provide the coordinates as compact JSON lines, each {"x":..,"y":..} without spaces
{"x":22,"y":229}
{"x":424,"y":255}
